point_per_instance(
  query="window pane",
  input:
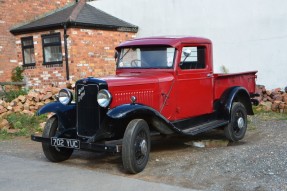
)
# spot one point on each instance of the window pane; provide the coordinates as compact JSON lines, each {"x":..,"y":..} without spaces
{"x":29,"y":56}
{"x":27,"y":42}
{"x":53,"y":54}
{"x":192,"y":58}
{"x":189,"y":54}
{"x":146,"y":57}
{"x":52,"y":39}
{"x":170,"y":55}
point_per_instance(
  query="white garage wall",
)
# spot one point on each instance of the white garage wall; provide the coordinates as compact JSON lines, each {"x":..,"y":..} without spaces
{"x":246,"y":34}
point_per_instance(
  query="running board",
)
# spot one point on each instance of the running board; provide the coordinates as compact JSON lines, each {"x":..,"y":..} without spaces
{"x":204,"y":127}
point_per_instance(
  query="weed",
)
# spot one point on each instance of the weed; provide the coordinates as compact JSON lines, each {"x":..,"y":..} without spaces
{"x":17,"y":74}
{"x":224,"y":69}
{"x":23,"y":124}
{"x":12,"y":94}
{"x":4,"y":135}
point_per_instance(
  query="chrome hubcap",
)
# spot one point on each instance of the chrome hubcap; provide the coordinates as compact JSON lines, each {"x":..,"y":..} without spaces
{"x":143,"y":146}
{"x":240,"y":123}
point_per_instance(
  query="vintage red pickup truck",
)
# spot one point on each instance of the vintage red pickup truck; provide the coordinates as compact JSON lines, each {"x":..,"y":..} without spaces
{"x":162,"y":84}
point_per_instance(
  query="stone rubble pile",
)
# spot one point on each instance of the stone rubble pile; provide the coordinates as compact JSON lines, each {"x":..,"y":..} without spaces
{"x":29,"y":103}
{"x":272,"y":100}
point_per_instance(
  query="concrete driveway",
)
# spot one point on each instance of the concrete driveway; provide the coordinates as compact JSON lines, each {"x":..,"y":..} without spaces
{"x":258,"y":162}
{"x":29,"y":175}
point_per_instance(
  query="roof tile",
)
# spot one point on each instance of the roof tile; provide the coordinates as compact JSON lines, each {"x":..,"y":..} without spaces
{"x":80,"y":15}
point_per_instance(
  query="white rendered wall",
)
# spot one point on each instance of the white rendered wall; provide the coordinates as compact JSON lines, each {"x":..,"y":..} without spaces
{"x":246,"y":34}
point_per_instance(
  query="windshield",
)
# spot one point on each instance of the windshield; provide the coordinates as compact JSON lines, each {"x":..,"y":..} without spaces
{"x":146,"y":57}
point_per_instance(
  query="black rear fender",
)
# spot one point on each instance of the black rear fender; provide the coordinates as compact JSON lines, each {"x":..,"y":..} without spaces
{"x":120,"y":116}
{"x":235,"y":94}
{"x":65,"y":113}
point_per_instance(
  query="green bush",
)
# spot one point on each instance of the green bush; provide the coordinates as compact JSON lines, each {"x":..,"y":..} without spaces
{"x":25,"y":124}
{"x":12,"y":94}
{"x":17,"y":74}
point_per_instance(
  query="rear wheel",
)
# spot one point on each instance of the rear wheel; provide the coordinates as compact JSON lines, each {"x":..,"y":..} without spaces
{"x":136,"y":146}
{"x":237,"y":126}
{"x":54,"y":154}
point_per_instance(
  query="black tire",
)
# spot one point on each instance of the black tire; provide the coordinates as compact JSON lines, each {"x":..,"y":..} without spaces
{"x":54,"y":154}
{"x":136,"y":146}
{"x":236,"y":129}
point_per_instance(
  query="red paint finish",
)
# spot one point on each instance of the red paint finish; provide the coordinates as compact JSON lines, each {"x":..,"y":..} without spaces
{"x":224,"y":81}
{"x":146,"y":86}
{"x":178,"y":92}
{"x":195,"y":86}
{"x":175,"y":41}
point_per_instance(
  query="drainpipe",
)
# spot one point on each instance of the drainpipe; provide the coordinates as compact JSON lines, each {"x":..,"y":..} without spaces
{"x":66,"y":51}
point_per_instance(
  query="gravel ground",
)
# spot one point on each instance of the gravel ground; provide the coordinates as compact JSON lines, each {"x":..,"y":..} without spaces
{"x":258,"y":162}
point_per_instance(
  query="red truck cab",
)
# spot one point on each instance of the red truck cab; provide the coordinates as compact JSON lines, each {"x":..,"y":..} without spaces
{"x":162,"y":84}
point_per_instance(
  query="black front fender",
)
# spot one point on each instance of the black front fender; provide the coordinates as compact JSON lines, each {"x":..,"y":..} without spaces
{"x":65,"y":113}
{"x":235,"y":94}
{"x":120,"y":116}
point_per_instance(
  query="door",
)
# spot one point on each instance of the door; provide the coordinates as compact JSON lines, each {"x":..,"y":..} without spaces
{"x":194,"y":82}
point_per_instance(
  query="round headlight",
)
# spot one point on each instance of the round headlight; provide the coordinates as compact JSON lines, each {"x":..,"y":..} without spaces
{"x":104,"y":98}
{"x":65,"y":96}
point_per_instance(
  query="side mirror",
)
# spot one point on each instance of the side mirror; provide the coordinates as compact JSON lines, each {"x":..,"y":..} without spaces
{"x":187,"y":52}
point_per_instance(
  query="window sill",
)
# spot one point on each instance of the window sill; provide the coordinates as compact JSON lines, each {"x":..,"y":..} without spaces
{"x":53,"y":63}
{"x":30,"y":64}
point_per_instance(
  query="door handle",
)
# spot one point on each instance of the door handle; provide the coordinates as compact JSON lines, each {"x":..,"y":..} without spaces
{"x":209,"y":75}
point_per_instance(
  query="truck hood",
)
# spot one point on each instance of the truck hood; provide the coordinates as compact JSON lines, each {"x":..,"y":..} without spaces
{"x":127,"y":79}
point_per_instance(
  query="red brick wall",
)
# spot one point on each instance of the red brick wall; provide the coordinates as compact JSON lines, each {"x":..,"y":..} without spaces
{"x":90,"y":52}
{"x":15,"y":12}
{"x":40,"y":74}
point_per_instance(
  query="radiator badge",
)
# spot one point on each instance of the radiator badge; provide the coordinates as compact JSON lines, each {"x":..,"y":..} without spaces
{"x":81,"y":93}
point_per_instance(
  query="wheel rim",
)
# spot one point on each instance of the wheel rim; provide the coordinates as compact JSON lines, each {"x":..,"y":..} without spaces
{"x":141,"y":147}
{"x":239,"y":122}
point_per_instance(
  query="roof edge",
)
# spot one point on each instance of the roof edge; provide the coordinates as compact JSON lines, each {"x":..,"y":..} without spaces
{"x":72,"y":24}
{"x":36,"y":29}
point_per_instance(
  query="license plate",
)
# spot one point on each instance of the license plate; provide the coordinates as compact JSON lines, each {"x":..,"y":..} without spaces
{"x":68,"y":143}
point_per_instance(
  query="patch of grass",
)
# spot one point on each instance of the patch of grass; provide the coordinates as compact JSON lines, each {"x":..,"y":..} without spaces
{"x":269,"y":115}
{"x":24,"y":125}
{"x":251,"y":125}
{"x":4,"y":135}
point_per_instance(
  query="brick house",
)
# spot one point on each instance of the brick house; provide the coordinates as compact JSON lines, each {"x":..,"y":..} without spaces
{"x":14,"y":12}
{"x":72,"y":42}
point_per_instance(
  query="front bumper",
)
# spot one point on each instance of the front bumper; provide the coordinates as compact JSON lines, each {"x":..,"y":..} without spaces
{"x":110,"y":147}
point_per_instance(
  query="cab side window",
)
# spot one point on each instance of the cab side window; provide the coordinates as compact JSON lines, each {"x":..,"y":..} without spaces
{"x":192,"y":58}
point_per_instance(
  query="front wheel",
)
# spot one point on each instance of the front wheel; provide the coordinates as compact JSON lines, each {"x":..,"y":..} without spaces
{"x":237,"y":126}
{"x":54,"y":154}
{"x":136,"y":146}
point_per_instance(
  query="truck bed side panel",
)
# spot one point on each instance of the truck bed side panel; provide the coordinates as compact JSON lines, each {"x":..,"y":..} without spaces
{"x":225,"y":81}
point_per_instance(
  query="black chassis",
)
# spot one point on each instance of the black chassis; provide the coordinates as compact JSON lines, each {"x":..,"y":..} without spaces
{"x":106,"y":135}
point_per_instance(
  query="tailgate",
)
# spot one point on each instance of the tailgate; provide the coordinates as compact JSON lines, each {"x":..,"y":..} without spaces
{"x":225,"y":81}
